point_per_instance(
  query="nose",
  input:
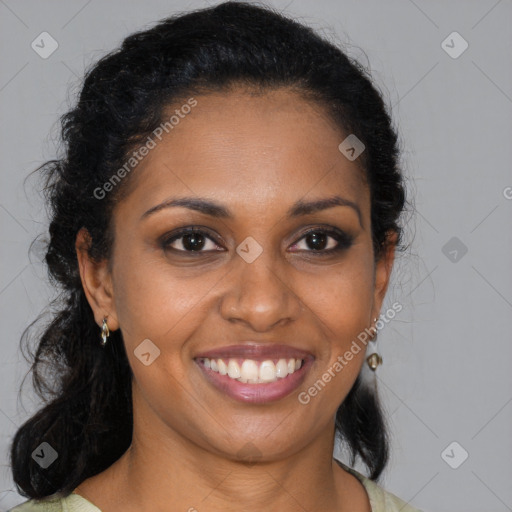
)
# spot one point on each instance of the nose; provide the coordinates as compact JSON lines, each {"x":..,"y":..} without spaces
{"x":259,"y":295}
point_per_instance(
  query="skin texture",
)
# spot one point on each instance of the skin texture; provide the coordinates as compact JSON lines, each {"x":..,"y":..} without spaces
{"x":256,"y":154}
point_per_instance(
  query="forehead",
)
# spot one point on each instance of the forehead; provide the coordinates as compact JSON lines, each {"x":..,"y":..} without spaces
{"x":247,"y":148}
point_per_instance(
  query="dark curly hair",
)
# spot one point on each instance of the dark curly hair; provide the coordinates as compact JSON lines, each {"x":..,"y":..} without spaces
{"x":86,"y":388}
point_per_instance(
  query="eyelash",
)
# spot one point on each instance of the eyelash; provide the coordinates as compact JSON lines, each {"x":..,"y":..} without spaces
{"x":344,"y":240}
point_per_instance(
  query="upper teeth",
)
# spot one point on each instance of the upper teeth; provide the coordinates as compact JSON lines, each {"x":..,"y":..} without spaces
{"x":253,"y":372}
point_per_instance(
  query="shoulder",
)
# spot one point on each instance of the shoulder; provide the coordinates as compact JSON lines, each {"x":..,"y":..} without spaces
{"x":380,"y":499}
{"x":43,"y":505}
{"x":71,"y":503}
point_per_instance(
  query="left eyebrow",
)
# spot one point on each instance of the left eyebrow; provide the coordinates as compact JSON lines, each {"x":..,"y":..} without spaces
{"x":306,"y":208}
{"x":214,"y":209}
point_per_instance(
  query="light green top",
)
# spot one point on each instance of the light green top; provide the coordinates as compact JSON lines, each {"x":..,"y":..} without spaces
{"x":380,"y":500}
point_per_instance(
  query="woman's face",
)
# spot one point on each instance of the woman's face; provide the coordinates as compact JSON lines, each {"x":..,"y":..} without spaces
{"x":257,"y":290}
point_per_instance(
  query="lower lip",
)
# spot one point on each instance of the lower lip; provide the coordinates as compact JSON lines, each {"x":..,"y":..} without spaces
{"x":257,"y":393}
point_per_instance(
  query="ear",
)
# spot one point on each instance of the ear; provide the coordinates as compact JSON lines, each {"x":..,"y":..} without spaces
{"x":96,"y":281}
{"x":383,"y":270}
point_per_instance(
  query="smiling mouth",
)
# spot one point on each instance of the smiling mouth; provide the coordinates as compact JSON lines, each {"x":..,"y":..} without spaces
{"x":252,"y":371}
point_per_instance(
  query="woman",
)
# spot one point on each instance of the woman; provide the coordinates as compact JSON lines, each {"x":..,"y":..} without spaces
{"x":224,"y":224}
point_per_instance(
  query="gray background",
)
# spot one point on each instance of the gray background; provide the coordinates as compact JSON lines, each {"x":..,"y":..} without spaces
{"x":447,"y":355}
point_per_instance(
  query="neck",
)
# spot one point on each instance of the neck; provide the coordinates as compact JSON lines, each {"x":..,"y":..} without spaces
{"x":157,"y":473}
{"x":162,"y":468}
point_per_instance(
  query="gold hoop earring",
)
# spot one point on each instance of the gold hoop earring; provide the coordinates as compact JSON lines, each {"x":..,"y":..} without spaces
{"x":374,"y":360}
{"x":373,"y":329}
{"x":105,"y":332}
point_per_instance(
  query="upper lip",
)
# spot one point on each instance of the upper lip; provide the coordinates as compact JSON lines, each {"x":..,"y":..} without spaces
{"x":253,"y":350}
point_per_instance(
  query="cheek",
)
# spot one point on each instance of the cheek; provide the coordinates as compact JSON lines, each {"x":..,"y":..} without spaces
{"x":341,"y":305}
{"x":154,"y":301}
{"x":341,"y":298}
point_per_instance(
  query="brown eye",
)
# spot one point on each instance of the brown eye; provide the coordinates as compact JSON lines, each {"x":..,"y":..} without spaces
{"x":322,"y":241}
{"x":190,"y":240}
